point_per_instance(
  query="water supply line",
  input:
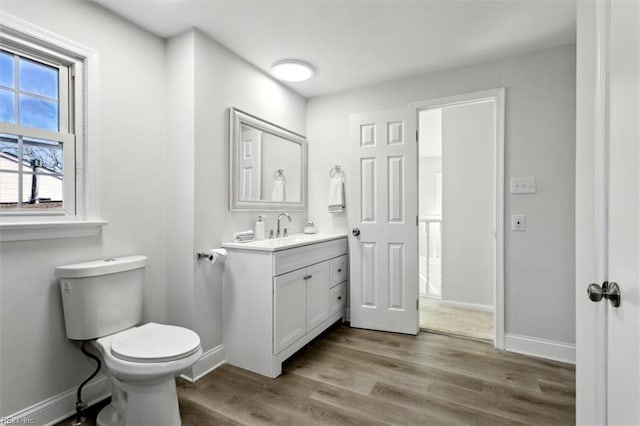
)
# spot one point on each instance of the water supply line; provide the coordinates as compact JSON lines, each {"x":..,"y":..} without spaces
{"x":80,"y":406}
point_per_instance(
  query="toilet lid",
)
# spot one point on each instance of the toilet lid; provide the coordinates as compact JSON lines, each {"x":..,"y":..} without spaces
{"x":155,"y":343}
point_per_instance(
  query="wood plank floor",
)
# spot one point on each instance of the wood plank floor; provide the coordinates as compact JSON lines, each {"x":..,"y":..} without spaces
{"x":440,"y":317}
{"x":361,"y":377}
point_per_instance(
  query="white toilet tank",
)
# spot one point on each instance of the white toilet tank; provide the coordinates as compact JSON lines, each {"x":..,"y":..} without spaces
{"x":101,"y":297}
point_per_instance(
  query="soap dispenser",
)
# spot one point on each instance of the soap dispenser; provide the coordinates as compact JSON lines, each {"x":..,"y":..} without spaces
{"x":310,"y":227}
{"x":260,"y":230}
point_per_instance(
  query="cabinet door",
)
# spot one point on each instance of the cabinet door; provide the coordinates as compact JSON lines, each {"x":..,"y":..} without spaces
{"x":318,"y":298}
{"x":289,"y":309}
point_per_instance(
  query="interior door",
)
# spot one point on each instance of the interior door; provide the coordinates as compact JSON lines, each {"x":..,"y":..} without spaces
{"x":608,"y":214}
{"x":382,"y":210}
{"x":250,"y":160}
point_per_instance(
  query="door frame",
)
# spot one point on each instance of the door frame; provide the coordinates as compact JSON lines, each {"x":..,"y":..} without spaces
{"x":498,"y":97}
{"x":592,"y":215}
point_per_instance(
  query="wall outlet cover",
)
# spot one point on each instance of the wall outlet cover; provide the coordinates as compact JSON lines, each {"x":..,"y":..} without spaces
{"x":523,"y":185}
{"x":518,"y":222}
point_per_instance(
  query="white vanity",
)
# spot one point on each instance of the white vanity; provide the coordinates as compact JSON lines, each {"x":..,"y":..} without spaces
{"x":279,"y":294}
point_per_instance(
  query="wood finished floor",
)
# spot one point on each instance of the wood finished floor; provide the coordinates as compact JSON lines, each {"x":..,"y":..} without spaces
{"x":360,"y":377}
{"x":440,"y":317}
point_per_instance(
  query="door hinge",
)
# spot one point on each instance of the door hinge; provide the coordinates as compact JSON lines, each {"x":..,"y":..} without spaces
{"x":417,"y":135}
{"x":418,"y":304}
{"x":417,"y":220}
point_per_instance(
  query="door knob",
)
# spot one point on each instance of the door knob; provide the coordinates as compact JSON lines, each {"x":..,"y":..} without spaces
{"x":608,"y":290}
{"x":355,"y":232}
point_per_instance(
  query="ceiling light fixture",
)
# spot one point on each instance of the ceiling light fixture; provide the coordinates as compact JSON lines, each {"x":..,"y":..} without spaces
{"x":292,"y":70}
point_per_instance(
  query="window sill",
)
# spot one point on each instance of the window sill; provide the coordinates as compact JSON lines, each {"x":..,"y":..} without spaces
{"x":24,"y":231}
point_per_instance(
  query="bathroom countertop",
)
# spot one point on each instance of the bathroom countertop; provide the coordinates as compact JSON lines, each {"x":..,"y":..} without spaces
{"x":277,"y":244}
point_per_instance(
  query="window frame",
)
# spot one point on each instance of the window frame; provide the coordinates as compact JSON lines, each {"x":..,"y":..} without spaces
{"x":79,"y":216}
{"x":69,"y":106}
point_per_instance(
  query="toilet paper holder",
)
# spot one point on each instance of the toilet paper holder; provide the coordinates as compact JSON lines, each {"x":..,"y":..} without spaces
{"x":202,"y":255}
{"x":212,"y":255}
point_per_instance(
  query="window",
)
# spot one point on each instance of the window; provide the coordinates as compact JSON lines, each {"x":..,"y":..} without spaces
{"x":36,"y":134}
{"x":41,"y":110}
{"x":48,"y":122}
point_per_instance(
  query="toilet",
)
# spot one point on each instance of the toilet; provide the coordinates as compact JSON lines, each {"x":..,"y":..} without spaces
{"x":102,"y":303}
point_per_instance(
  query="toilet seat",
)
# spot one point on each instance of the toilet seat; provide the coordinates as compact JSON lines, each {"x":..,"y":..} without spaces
{"x":154,"y":343}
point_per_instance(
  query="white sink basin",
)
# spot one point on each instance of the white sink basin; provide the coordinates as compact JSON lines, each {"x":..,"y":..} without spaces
{"x":277,"y":244}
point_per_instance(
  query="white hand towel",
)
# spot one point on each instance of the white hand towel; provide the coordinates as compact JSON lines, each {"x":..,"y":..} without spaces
{"x":336,"y":195}
{"x":279,"y":192}
{"x":244,"y":236}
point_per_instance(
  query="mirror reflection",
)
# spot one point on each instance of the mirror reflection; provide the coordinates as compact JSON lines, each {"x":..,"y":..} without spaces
{"x":270,"y":167}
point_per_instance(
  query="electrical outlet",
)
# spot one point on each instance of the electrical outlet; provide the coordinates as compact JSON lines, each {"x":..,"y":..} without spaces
{"x":523,"y":185}
{"x":518,"y":222}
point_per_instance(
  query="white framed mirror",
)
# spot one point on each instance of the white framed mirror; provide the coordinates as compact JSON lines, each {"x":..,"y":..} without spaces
{"x":267,"y":165}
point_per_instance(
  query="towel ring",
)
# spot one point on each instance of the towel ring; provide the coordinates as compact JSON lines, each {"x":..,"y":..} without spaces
{"x":279,"y":175}
{"x":336,"y":171}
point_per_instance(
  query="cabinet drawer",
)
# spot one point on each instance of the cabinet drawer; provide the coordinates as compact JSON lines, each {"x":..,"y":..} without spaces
{"x":338,"y":270}
{"x":289,"y":260}
{"x":338,"y":298}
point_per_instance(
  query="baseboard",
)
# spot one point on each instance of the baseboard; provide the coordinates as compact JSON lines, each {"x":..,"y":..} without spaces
{"x":210,"y":360}
{"x":543,"y":348}
{"x":474,"y":306}
{"x":61,"y":406}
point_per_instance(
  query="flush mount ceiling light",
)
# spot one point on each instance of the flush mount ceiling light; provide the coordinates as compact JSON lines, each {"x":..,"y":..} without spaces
{"x":292,"y":70}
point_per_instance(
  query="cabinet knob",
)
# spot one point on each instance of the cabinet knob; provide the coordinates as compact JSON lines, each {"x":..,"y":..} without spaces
{"x":339,"y":297}
{"x":339,"y":270}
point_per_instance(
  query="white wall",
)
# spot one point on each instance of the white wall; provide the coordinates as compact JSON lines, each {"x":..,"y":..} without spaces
{"x":220,"y":79}
{"x":38,"y":361}
{"x":429,"y":167}
{"x":180,"y":187}
{"x":429,"y":161}
{"x":467,"y":203}
{"x":540,"y":141}
{"x":430,"y":137}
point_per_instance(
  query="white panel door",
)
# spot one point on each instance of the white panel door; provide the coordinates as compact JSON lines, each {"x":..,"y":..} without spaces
{"x":318,"y":297}
{"x":290,"y":309}
{"x":382,"y":210}
{"x":608,"y":213}
{"x":249,"y":161}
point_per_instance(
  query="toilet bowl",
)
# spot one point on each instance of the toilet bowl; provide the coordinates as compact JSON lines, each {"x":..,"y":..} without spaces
{"x":102,"y":304}
{"x":142,"y":363}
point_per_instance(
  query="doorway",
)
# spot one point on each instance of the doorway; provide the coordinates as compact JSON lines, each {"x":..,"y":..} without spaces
{"x":460,"y":173}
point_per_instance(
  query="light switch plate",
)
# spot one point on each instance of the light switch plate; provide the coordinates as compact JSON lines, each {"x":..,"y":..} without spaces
{"x":518,"y":222}
{"x":523,"y":185}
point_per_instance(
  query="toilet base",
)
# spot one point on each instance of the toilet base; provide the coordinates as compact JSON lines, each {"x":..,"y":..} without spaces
{"x":108,"y":417}
{"x":141,"y":404}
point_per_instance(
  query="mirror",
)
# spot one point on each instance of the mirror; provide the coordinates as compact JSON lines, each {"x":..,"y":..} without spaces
{"x":268,"y":165}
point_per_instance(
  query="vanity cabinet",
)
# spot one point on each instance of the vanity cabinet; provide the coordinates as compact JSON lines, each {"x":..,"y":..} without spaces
{"x":278,"y":298}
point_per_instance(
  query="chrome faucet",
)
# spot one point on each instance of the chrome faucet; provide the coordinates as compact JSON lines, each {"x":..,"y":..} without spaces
{"x":278,"y":234}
